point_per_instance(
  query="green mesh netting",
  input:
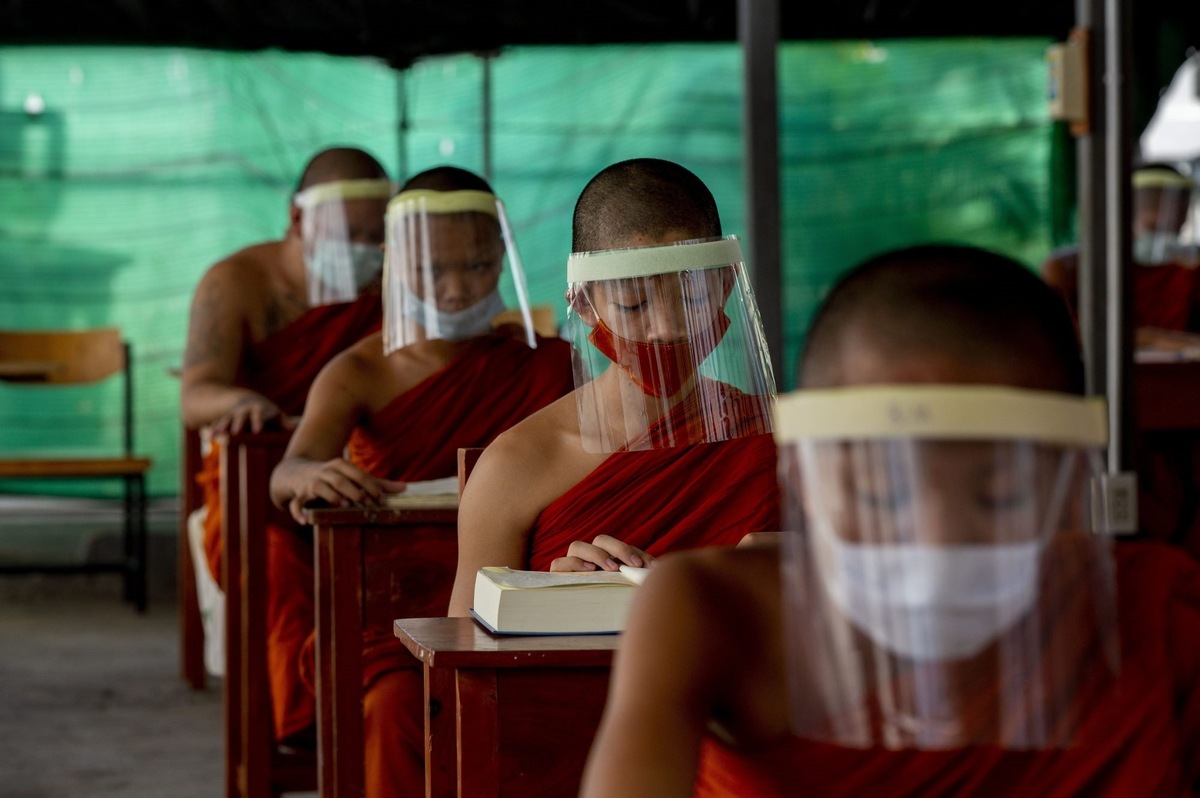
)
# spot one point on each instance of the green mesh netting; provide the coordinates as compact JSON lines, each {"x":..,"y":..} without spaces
{"x":141,"y":167}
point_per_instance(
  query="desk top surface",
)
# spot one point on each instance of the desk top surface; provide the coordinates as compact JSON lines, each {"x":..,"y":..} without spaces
{"x":461,"y":642}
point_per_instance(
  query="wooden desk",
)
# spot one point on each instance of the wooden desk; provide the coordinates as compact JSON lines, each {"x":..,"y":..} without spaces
{"x":29,"y":370}
{"x":255,"y":765}
{"x":372,"y":564}
{"x":526,"y":708}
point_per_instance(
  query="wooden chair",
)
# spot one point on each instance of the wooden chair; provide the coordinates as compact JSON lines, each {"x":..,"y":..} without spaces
{"x":420,"y":548}
{"x":255,"y":766}
{"x":53,"y":359}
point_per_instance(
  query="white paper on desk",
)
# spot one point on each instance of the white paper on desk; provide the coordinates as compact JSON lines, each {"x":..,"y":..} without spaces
{"x":430,"y":487}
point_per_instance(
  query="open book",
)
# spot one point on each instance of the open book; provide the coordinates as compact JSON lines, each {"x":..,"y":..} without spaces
{"x":433,"y":493}
{"x":539,"y":602}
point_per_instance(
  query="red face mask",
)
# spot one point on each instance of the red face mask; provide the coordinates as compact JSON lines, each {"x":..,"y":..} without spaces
{"x":658,"y":369}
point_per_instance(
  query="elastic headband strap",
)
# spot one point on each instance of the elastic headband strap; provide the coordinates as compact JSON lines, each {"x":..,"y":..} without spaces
{"x":423,"y":200}
{"x":1160,"y":178}
{"x":343,"y":190}
{"x":962,"y":412}
{"x":615,"y":264}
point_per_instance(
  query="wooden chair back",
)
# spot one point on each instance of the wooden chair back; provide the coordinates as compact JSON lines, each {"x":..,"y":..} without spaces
{"x":76,"y":356}
{"x":467,"y":458}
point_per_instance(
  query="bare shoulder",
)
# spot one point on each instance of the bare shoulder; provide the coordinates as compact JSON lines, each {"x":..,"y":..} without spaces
{"x":240,"y":281}
{"x":724,"y":584}
{"x":532,"y":463}
{"x":727,"y":601}
{"x":357,"y":370}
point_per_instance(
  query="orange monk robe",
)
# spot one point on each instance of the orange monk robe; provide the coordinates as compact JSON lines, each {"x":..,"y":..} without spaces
{"x":281,"y":367}
{"x":659,"y":500}
{"x":493,"y":383}
{"x":1142,"y":737}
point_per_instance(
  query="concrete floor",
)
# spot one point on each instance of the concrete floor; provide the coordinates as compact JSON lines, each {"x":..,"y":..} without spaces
{"x":91,"y":702}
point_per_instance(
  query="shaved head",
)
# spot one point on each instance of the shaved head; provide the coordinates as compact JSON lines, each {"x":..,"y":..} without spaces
{"x":646,"y":198}
{"x":447,"y":178}
{"x":936,"y":304}
{"x":340,"y":163}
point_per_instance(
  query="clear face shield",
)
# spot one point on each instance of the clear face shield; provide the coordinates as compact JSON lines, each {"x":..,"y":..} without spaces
{"x":1163,"y":219}
{"x":341,"y":226}
{"x":943,"y":583}
{"x":444,"y":270}
{"x":668,"y":346}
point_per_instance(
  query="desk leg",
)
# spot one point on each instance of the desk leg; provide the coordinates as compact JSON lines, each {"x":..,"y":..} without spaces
{"x":231,"y":582}
{"x":258,"y":732}
{"x":441,"y":752}
{"x":478,"y":733}
{"x":339,"y":662}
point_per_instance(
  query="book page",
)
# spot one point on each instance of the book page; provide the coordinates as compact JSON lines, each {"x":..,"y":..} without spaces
{"x":429,"y":495}
{"x":508,"y":577}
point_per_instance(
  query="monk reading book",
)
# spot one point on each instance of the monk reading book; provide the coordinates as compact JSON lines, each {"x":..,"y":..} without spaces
{"x":267,"y":318}
{"x":663,"y":445}
{"x":401,"y":402}
{"x":945,"y":616}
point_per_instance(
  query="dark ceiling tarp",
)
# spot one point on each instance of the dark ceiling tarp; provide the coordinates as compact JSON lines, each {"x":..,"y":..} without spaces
{"x":400,"y":31}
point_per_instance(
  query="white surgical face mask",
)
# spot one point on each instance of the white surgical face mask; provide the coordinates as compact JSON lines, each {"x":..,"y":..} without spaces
{"x":457,"y":325}
{"x":340,"y":269}
{"x":926,"y":602}
{"x":1154,"y":248}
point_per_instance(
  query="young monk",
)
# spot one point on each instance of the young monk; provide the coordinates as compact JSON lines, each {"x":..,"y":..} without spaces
{"x":263,"y":324}
{"x":939,"y":619}
{"x":397,"y":406}
{"x":648,"y":454}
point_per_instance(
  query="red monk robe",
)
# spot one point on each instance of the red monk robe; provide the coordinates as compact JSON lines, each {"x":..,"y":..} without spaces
{"x":658,"y":500}
{"x":492,"y":384}
{"x":281,"y":367}
{"x":1142,"y":739}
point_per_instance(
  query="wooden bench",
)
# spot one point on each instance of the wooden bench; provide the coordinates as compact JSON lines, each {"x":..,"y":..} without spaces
{"x":507,"y":714}
{"x":47,"y":360}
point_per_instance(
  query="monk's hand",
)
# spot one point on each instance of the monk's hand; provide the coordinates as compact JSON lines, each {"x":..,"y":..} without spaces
{"x":338,"y":483}
{"x":251,"y":413}
{"x":605,"y":553}
{"x":759,"y":539}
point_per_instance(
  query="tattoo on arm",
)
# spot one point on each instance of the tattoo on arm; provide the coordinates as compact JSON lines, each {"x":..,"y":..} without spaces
{"x":206,"y":340}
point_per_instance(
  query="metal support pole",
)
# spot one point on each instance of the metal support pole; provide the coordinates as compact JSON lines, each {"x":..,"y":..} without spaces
{"x":402,"y":125}
{"x":486,"y":103}
{"x":1105,"y":253}
{"x":1118,"y":148}
{"x":758,"y":33}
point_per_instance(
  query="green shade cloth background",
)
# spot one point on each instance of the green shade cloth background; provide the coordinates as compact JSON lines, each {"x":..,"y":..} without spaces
{"x":146,"y":165}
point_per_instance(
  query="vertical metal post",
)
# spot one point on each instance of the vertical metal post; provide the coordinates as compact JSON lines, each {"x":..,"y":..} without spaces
{"x":758,"y":34}
{"x":486,"y":103}
{"x":402,"y":125}
{"x":1105,"y":256}
{"x":1119,"y":258}
{"x":1089,"y":16}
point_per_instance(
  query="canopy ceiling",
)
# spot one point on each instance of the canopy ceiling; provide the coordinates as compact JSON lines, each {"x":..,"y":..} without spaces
{"x":401,"y":30}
